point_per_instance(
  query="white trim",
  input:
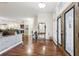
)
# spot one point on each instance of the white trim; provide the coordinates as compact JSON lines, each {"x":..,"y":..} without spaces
{"x":10,"y":47}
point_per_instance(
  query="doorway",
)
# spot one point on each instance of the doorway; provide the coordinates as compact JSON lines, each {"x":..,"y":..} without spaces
{"x":59,"y":41}
{"x":42,"y":31}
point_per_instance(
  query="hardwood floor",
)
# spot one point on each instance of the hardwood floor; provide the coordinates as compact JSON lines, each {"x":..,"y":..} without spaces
{"x":39,"y":48}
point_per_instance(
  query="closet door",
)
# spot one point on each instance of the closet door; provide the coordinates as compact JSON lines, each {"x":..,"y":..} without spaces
{"x":69,"y":31}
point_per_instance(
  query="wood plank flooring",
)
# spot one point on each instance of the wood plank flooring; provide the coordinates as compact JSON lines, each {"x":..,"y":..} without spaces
{"x":37,"y":48}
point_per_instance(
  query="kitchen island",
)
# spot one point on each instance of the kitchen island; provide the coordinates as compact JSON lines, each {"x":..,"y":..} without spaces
{"x":8,"y":42}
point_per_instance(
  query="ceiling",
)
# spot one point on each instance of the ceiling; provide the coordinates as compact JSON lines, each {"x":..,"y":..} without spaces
{"x":19,"y":10}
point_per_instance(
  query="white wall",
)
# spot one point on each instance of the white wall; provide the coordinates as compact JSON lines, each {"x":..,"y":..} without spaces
{"x":55,"y":31}
{"x":47,"y":19}
{"x":35,"y":23}
{"x":59,"y":8}
{"x":29,"y":21}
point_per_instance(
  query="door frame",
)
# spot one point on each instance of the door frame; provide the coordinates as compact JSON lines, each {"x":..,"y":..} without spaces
{"x":73,"y":7}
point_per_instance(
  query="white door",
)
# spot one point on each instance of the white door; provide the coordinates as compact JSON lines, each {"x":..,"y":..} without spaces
{"x":69,"y":32}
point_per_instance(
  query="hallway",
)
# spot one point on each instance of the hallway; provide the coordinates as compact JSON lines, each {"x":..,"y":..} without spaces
{"x":39,"y":48}
{"x":55,"y":25}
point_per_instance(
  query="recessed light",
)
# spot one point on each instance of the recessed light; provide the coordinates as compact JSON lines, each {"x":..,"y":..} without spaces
{"x":42,"y":5}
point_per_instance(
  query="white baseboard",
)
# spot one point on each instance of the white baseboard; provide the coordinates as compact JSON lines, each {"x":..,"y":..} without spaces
{"x":10,"y":47}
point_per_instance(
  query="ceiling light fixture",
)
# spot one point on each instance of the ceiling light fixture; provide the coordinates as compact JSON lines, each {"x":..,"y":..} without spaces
{"x":42,"y":5}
